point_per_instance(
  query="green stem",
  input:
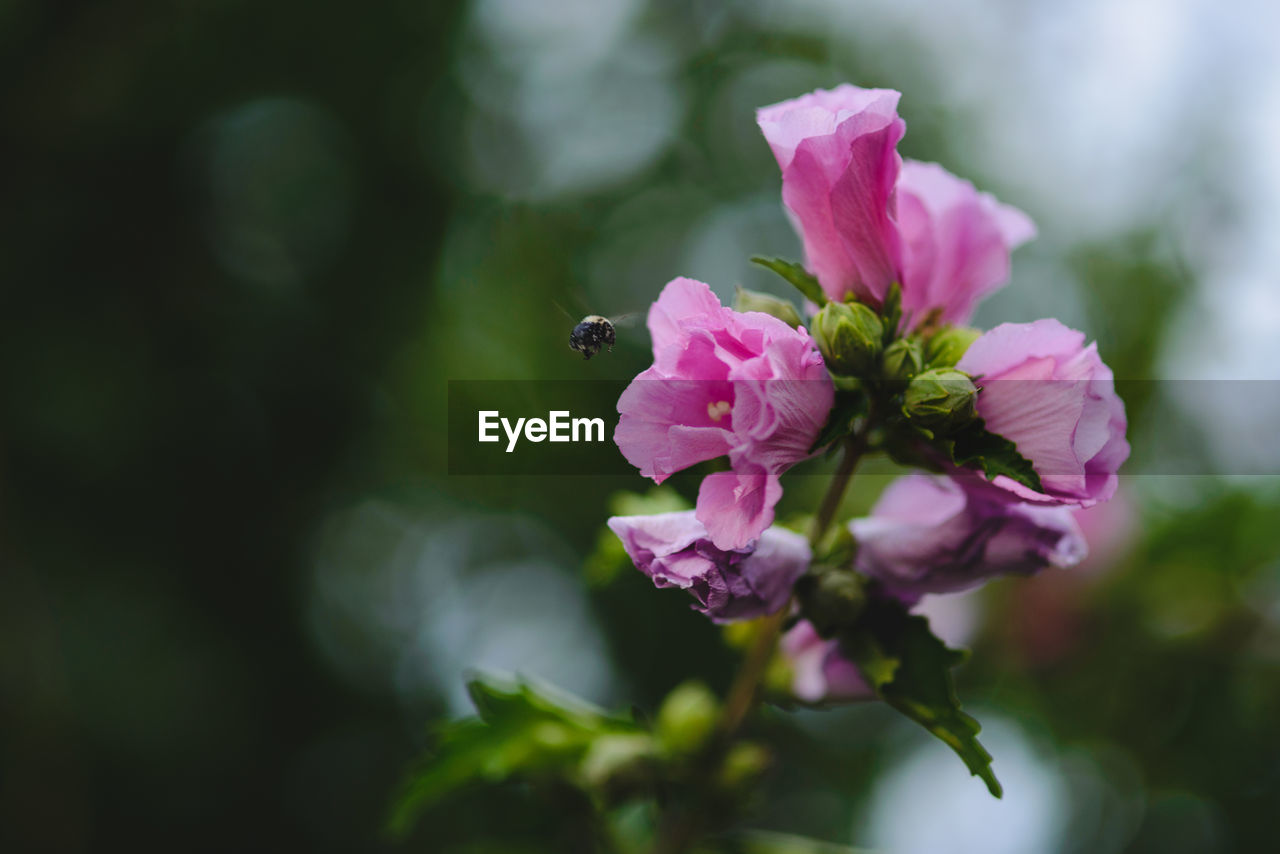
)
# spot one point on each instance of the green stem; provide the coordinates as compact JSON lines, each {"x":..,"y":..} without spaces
{"x":854,"y":448}
{"x":682,"y":830}
{"x":746,"y":684}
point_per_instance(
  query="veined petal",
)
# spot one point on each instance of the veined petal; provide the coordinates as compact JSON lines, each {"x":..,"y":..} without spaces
{"x":736,"y":506}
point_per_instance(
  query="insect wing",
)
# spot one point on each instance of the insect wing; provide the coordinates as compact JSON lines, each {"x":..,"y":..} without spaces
{"x":626,"y":320}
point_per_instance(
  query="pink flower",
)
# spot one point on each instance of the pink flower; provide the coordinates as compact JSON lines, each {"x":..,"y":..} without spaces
{"x":820,"y":673}
{"x":929,"y":534}
{"x":722,"y":383}
{"x":838,"y":154}
{"x":956,"y":242}
{"x":867,"y":219}
{"x":1048,"y":393}
{"x":742,"y":584}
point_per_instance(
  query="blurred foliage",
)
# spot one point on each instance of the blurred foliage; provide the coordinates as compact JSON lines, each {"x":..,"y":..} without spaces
{"x":524,"y":733}
{"x":174,"y":425}
{"x":1172,"y":656}
{"x":603,"y":770}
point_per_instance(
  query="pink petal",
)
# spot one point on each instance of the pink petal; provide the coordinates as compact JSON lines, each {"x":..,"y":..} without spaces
{"x":666,"y":425}
{"x":736,"y":507}
{"x":837,"y":152}
{"x":780,"y":558}
{"x":850,"y":239}
{"x":683,"y":302}
{"x":956,"y":241}
{"x":1054,"y":398}
{"x":1010,"y":344}
{"x":658,"y":535}
{"x":785,"y":125}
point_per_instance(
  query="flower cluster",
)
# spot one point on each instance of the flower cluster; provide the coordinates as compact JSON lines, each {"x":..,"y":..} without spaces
{"x":1019,"y":426}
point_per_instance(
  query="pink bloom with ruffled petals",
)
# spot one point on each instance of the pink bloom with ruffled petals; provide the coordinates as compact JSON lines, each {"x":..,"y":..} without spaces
{"x":931,"y":534}
{"x":867,"y":219}
{"x":741,"y":384}
{"x":740,"y":584}
{"x":838,"y":154}
{"x":1043,"y":389}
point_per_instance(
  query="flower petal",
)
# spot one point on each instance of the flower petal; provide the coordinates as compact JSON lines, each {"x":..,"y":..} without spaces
{"x":956,"y":241}
{"x":737,"y":506}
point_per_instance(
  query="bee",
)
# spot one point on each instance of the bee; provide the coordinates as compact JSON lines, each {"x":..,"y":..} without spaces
{"x":592,"y":333}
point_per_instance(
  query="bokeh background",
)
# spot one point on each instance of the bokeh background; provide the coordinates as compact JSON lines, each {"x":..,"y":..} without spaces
{"x":243,"y":247}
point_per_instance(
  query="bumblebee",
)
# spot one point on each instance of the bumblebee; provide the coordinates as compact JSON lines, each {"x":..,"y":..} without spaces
{"x":592,"y":333}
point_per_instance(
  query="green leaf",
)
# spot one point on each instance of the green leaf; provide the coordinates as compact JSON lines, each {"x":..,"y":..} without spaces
{"x":797,"y":275}
{"x":849,"y":405}
{"x":995,"y":455}
{"x":910,"y":669}
{"x":612,"y":756}
{"x":909,"y":444}
{"x":521,"y":732}
{"x":497,"y":702}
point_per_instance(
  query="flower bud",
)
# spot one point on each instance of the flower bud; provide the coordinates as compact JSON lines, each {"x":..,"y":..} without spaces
{"x":849,"y":336}
{"x":744,"y":764}
{"x":618,"y":759}
{"x":946,"y":348}
{"x":768,"y":304}
{"x":831,"y":599}
{"x":940,"y":398}
{"x":686,"y":718}
{"x":903,"y":359}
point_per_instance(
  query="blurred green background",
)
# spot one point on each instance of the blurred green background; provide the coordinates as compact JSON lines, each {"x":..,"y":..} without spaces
{"x":245,"y":245}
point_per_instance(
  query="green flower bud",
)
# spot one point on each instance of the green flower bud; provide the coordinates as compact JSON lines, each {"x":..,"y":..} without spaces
{"x":832,"y":598}
{"x":946,"y":348}
{"x":903,"y":359}
{"x":615,"y":756}
{"x":940,"y":398}
{"x":686,"y":717}
{"x":779,"y":308}
{"x":745,"y":762}
{"x":849,"y":336}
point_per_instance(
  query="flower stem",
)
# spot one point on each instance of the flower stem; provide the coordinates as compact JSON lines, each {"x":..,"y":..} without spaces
{"x":855,"y":446}
{"x":745,"y":687}
{"x":746,"y":684}
{"x":682,"y":830}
